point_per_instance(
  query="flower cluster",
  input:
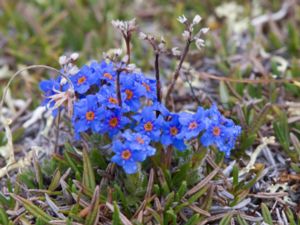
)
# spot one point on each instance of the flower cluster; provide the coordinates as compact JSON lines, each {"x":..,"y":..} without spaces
{"x":97,"y":110}
{"x":139,"y":120}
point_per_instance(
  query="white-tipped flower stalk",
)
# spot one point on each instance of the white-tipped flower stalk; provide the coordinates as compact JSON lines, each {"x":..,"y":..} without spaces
{"x":125,"y":27}
{"x":182,"y":19}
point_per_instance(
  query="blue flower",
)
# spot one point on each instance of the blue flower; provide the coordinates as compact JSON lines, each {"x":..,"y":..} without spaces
{"x":104,"y":71}
{"x":49,"y":87}
{"x":132,"y":92}
{"x":139,"y":142}
{"x":126,"y":156}
{"x":148,"y":124}
{"x":192,"y":124}
{"x":107,"y":97}
{"x":87,"y":115}
{"x":114,"y":121}
{"x":170,"y":130}
{"x":83,"y":80}
{"x":148,"y":84}
{"x":52,"y":87}
{"x":220,"y":131}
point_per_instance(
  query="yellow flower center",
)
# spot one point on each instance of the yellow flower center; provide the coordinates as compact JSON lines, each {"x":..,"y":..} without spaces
{"x":146,"y":86}
{"x":216,"y":131}
{"x":173,"y":131}
{"x":113,"y":122}
{"x":148,"y":126}
{"x":81,"y":80}
{"x":126,"y":154}
{"x":90,"y":115}
{"x":140,"y":140}
{"x":129,"y":94}
{"x":113,"y":100}
{"x":108,"y":75}
{"x":193,"y":125}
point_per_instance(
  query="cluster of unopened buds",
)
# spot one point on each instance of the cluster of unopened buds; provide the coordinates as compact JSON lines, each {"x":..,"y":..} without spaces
{"x":120,"y":103}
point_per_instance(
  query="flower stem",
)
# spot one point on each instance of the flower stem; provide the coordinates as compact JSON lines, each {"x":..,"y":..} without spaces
{"x":118,"y":87}
{"x":157,"y":76}
{"x":127,"y":41}
{"x":176,"y":74}
{"x":56,"y":147}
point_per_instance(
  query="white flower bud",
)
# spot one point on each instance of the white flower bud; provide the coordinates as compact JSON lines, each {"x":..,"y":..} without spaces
{"x":74,"y":56}
{"x":125,"y":58}
{"x":131,"y":67}
{"x":204,"y":30}
{"x":161,"y":46}
{"x":73,"y":70}
{"x":197,"y":19}
{"x":117,"y":51}
{"x":63,"y":81}
{"x":175,"y":51}
{"x":182,"y":19}
{"x":200,"y":43}
{"x":143,"y":36}
{"x":186,"y":35}
{"x":63,"y":60}
{"x":131,"y":24}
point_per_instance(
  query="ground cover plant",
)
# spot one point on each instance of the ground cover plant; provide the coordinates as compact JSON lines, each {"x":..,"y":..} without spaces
{"x":198,"y":126}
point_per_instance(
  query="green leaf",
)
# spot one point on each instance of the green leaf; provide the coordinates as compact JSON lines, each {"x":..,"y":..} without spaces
{"x":33,"y":209}
{"x":71,"y":160}
{"x":281,"y":130}
{"x":290,"y":216}
{"x":241,"y":220}
{"x":224,"y":95}
{"x":170,"y":217}
{"x":55,"y":181}
{"x":88,"y":177}
{"x":181,"y":191}
{"x":235,"y":176}
{"x":93,"y":215}
{"x":169,"y":200}
{"x":198,"y":194}
{"x":266,"y":214}
{"x":193,"y":220}
{"x":3,"y":217}
{"x":116,"y":216}
{"x":38,"y":173}
{"x":226,"y":219}
{"x":120,"y":196}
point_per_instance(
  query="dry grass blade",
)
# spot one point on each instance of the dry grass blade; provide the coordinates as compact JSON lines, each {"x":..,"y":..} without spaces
{"x":33,"y":209}
{"x":202,"y":183}
{"x":150,"y":184}
{"x":63,"y":222}
{"x":54,"y":207}
{"x":123,"y":218}
{"x":198,"y":210}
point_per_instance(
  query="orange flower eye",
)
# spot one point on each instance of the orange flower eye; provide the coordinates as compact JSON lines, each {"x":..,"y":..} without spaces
{"x":193,"y":125}
{"x":148,"y":126}
{"x":81,"y":80}
{"x":108,"y":75}
{"x":113,"y":100}
{"x":216,"y":131}
{"x":90,"y":115}
{"x":113,"y":122}
{"x":146,"y":86}
{"x":140,"y":140}
{"x":129,"y":94}
{"x":173,"y":131}
{"x":126,"y":154}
